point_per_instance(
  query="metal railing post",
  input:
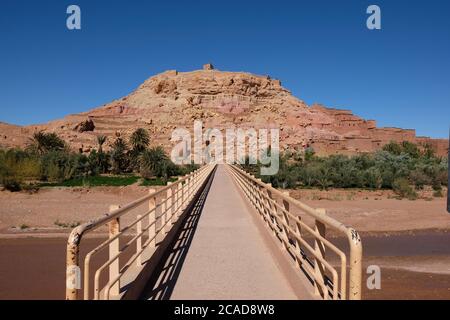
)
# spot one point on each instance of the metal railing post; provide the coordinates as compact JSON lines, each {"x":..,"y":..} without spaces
{"x":139,"y":241}
{"x":253,"y":193}
{"x":190,"y":187}
{"x":152,"y":219}
{"x":194,"y":185}
{"x":184,"y":188}
{"x":355,"y":276}
{"x":169,"y":206}
{"x":179,"y":197}
{"x":281,"y":215}
{"x":298,"y":232}
{"x":319,"y":248}
{"x":72,"y":267}
{"x":114,"y":248}
{"x":272,"y":209}
{"x":163,"y":202}
{"x":266,"y":207}
{"x":158,"y":214}
{"x":285,"y":203}
{"x":285,"y":226}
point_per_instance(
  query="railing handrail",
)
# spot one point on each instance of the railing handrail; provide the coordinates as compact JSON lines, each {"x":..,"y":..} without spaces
{"x":351,"y":234}
{"x":107,"y":217}
{"x":338,"y":226}
{"x":182,"y":192}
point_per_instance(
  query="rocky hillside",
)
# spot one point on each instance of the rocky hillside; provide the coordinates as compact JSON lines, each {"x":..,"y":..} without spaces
{"x":221,"y":100}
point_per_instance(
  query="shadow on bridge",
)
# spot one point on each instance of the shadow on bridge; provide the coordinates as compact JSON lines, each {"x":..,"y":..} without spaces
{"x":160,"y":286}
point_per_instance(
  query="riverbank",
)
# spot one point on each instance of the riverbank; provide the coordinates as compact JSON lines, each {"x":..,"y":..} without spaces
{"x":57,"y":210}
{"x":379,"y":211}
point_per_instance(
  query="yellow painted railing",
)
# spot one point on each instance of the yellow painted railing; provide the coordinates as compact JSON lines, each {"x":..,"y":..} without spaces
{"x":307,"y":244}
{"x":159,"y":212}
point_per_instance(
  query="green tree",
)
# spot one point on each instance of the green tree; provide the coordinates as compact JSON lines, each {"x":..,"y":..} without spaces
{"x":119,"y":156}
{"x":393,"y":147}
{"x":154,"y":162}
{"x":139,"y":140}
{"x":101,"y":140}
{"x":98,"y":163}
{"x":42,"y":142}
{"x":411,"y":149}
{"x":373,"y":178}
{"x":323,"y":178}
{"x":309,"y":154}
{"x":428,"y":151}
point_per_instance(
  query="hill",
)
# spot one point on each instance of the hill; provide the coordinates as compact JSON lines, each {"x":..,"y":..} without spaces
{"x":221,"y":100}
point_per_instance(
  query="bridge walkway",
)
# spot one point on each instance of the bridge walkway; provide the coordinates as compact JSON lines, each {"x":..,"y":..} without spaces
{"x":221,"y":253}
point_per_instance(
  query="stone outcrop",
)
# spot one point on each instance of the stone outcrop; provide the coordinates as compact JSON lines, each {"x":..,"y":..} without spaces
{"x":85,"y":126}
{"x":221,"y":100}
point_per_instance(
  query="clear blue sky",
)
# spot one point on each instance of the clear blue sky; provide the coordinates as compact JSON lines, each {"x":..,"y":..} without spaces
{"x":321,"y":50}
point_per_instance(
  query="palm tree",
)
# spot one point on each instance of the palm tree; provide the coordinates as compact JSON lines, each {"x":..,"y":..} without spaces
{"x":45,"y":142}
{"x":154,"y":161}
{"x":139,"y":140}
{"x":119,"y":156}
{"x":101,"y":139}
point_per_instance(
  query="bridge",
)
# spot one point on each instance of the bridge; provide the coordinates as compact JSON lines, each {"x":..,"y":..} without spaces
{"x":216,"y":233}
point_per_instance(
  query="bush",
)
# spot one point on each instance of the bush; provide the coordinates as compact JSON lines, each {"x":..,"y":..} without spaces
{"x":98,"y":163}
{"x":411,"y":149}
{"x":16,"y":166}
{"x":18,"y":163}
{"x":437,"y":186}
{"x":59,"y":166}
{"x":393,"y":148}
{"x":402,"y":187}
{"x":405,"y":147}
{"x":395,"y":164}
{"x":373,"y":178}
{"x":12,"y":184}
{"x":420,"y":179}
{"x":438,"y":194}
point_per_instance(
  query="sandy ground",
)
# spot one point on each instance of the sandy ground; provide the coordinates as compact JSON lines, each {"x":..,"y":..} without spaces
{"x":366,"y":211}
{"x":378,"y":211}
{"x":64,"y":205}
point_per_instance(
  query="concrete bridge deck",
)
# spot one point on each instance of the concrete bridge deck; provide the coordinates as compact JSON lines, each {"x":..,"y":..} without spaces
{"x":221,"y":253}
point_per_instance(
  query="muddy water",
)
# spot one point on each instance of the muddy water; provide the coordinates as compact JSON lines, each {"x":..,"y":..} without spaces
{"x":35,"y":268}
{"x":421,"y":244}
{"x":32,"y":269}
{"x":400,"y":257}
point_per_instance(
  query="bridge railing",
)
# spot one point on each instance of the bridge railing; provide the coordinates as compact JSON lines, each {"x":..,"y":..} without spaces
{"x":159,"y":212}
{"x":296,"y":237}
